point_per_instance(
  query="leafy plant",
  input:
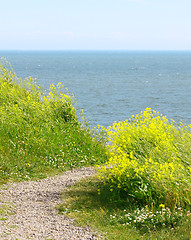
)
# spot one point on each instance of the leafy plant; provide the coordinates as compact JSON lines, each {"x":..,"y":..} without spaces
{"x":149,"y":161}
{"x":114,"y":219}
{"x":39,"y":131}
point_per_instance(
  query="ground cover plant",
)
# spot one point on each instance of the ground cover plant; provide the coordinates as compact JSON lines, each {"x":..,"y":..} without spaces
{"x":145,"y":187}
{"x":117,"y":219}
{"x":39,"y":131}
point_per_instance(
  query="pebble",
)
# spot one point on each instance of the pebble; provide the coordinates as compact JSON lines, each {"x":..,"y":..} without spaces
{"x":34,"y":209}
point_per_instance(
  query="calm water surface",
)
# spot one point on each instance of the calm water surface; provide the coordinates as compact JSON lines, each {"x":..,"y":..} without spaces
{"x":112,"y":85}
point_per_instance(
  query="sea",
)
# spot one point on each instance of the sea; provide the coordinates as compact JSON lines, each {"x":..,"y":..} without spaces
{"x":114,"y":85}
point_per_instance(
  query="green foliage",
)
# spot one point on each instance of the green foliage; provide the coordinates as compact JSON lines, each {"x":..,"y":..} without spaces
{"x":143,"y":191}
{"x":114,"y":219}
{"x":39,"y":131}
{"x":149,"y":161}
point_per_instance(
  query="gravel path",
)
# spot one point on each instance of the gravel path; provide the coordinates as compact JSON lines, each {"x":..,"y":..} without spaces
{"x":35,"y":216}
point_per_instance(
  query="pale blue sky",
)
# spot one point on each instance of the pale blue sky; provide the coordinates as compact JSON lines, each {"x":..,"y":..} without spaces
{"x":95,"y":24}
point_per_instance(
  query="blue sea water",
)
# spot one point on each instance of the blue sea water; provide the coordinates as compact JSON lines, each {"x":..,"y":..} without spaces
{"x":113,"y":85}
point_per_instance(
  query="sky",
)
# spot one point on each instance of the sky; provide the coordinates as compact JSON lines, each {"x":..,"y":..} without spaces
{"x":95,"y":24}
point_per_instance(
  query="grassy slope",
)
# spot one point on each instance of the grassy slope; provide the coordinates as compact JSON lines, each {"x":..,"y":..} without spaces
{"x":39,"y":132}
{"x":41,"y":135}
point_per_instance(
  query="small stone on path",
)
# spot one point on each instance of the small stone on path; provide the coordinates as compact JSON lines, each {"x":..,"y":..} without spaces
{"x":35,"y":215}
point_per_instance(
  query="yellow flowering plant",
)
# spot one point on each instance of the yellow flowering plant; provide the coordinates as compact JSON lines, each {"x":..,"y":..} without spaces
{"x":149,"y":160}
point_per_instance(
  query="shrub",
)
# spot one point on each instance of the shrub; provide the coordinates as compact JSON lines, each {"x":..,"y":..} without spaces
{"x":149,"y":160}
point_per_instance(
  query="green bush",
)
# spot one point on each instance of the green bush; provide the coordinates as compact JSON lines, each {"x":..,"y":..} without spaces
{"x":150,"y":161}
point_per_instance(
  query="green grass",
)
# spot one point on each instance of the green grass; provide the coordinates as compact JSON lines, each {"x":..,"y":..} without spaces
{"x":143,"y":190}
{"x":40,"y":133}
{"x":6,"y":209}
{"x":107,"y":215}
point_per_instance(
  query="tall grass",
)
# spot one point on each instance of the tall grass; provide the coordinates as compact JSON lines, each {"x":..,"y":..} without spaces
{"x":144,"y":190}
{"x":40,"y":131}
{"x":117,"y":219}
{"x":144,"y":171}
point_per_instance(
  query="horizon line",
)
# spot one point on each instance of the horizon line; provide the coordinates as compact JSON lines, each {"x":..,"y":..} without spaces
{"x":95,"y":50}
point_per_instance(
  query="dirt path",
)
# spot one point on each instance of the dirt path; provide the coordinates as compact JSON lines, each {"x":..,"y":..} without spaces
{"x":35,"y":216}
